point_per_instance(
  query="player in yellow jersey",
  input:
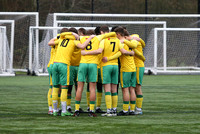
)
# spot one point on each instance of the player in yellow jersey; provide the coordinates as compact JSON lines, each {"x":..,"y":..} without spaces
{"x":88,"y":68}
{"x":82,"y":32}
{"x":75,"y":61}
{"x":127,"y":75}
{"x":99,"y":82}
{"x":139,"y":72}
{"x":61,"y":70}
{"x":49,"y":68}
{"x":109,"y":70}
{"x":98,"y":85}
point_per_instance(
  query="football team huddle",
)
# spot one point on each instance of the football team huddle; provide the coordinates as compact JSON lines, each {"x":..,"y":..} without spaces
{"x":101,"y":58}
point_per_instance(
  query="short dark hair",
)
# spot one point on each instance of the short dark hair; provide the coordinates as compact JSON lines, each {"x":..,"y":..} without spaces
{"x":64,"y":30}
{"x":72,"y":29}
{"x":97,"y":30}
{"x":119,"y":30}
{"x":82,"y":30}
{"x":90,"y":32}
{"x":124,"y":27}
{"x":113,"y":28}
{"x":126,"y":33}
{"x":104,"y":28}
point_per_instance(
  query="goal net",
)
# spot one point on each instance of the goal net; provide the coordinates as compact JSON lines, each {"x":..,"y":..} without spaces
{"x":39,"y":51}
{"x":181,"y":52}
{"x":172,"y":20}
{"x":5,"y":56}
{"x":23,"y":20}
{"x":7,"y":45}
{"x":39,"y":55}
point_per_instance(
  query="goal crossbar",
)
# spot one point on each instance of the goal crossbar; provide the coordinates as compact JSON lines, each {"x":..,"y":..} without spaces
{"x":125,"y":15}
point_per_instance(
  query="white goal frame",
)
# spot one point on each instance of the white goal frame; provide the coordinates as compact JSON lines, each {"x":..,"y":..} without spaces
{"x":169,"y":70}
{"x":37,"y":72}
{"x":55,"y":15}
{"x":124,"y":22}
{"x":36,"y":14}
{"x":12,"y":22}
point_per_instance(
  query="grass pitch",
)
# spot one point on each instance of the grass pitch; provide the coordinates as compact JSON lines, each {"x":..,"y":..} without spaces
{"x":171,"y":105}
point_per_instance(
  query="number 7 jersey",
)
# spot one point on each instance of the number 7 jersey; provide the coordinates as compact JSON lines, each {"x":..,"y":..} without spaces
{"x":110,"y":47}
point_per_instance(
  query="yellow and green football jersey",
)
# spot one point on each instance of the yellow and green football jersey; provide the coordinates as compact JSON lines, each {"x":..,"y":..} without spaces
{"x":64,"y":51}
{"x":110,"y":47}
{"x":93,"y":45}
{"x":127,"y":61}
{"x":139,"y":62}
{"x":53,"y":51}
{"x":76,"y":57}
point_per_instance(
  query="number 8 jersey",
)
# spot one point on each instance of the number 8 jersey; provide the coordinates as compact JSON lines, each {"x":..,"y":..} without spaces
{"x":93,"y":45}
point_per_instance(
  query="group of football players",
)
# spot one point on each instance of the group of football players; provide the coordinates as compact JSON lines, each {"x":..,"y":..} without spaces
{"x":101,"y":58}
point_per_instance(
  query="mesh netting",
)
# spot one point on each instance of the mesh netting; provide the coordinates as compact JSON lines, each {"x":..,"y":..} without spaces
{"x":21,"y":41}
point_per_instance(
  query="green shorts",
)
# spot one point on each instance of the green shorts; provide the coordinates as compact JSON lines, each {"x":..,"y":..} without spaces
{"x":110,"y":74}
{"x":128,"y":79}
{"x":73,"y":75}
{"x":61,"y":74}
{"x":139,"y":75}
{"x":50,"y":71}
{"x":99,"y":76}
{"x":89,"y":71}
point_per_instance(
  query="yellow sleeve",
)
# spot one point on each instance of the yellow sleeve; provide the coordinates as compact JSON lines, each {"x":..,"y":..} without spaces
{"x":111,"y":34}
{"x":56,"y":41}
{"x":132,"y":44}
{"x":71,"y":37}
{"x":62,"y":35}
{"x":136,"y":35}
{"x":139,"y":55}
{"x":76,"y":42}
{"x":142,"y":42}
{"x":115,"y":56}
{"x":103,"y":36}
{"x":101,"y":44}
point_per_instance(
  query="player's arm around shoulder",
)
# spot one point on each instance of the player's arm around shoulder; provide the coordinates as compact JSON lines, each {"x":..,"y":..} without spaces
{"x":136,"y":37}
{"x":132,"y":44}
{"x":53,"y":42}
{"x":123,"y":50}
{"x":139,"y":55}
{"x":94,"y":52}
{"x":115,"y":56}
{"x":106,"y":35}
{"x":82,"y":46}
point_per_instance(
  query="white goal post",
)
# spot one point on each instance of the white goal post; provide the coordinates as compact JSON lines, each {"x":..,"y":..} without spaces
{"x":22,"y":22}
{"x":7,"y":48}
{"x":38,"y":65}
{"x":181,"y":51}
